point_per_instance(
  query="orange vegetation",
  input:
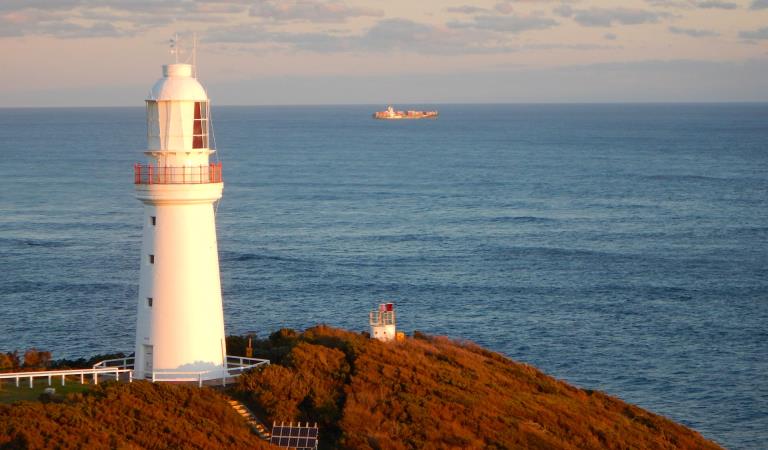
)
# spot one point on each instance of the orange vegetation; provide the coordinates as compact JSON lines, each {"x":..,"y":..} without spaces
{"x":432,"y":392}
{"x":139,"y":415}
{"x":426,"y":392}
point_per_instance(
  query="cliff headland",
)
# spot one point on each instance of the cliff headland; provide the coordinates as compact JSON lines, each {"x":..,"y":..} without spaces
{"x":426,"y":392}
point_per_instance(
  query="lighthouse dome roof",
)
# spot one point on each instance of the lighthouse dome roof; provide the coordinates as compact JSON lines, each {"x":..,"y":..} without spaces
{"x":178,"y":84}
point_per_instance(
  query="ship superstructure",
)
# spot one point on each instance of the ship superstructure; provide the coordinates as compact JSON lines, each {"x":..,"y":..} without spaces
{"x":391,"y":114}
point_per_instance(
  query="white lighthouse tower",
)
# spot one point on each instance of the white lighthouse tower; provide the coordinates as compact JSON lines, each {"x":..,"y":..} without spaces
{"x":180,"y":321}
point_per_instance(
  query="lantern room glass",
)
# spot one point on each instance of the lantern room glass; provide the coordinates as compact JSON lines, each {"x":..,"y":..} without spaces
{"x":200,"y":128}
{"x":177,"y":125}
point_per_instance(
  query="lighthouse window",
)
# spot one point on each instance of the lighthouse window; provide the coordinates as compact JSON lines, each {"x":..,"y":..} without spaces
{"x":153,"y":125}
{"x":200,"y":128}
{"x":149,"y":301}
{"x":153,"y":219}
{"x":151,"y":259}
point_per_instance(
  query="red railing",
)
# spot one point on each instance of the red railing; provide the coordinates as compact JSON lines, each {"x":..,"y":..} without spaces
{"x":149,"y":174}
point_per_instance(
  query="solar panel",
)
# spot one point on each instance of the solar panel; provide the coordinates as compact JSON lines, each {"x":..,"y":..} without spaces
{"x":301,"y":436}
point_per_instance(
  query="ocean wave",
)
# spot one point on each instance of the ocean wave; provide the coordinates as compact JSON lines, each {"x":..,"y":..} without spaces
{"x":27,"y":242}
{"x":240,"y":257}
{"x":685,"y":178}
{"x":405,"y":238}
{"x":520,"y":219}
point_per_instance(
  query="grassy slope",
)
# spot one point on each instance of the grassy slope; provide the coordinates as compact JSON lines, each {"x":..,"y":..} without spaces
{"x":10,"y":394}
{"x":423,"y":393}
{"x":139,"y":415}
{"x":437,"y":393}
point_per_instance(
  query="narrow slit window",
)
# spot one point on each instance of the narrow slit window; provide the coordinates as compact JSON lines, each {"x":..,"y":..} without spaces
{"x":153,"y":219}
{"x":151,"y":259}
{"x":149,"y":301}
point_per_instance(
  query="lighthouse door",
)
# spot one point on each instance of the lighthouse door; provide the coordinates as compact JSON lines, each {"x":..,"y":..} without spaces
{"x":147,"y":361}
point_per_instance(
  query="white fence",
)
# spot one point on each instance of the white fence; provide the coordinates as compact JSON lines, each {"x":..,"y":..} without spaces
{"x":93,"y":374}
{"x":235,"y":366}
{"x":123,"y":363}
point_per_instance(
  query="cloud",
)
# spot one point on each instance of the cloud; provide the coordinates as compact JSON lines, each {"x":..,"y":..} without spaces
{"x":409,"y":36}
{"x":66,"y":30}
{"x":392,"y":35}
{"x":563,"y":10}
{"x":676,"y":4}
{"x":54,"y":23}
{"x":466,"y":9}
{"x":605,"y":17}
{"x":313,"y":42}
{"x":568,"y":47}
{"x":398,"y":34}
{"x":386,"y":35}
{"x":135,"y":6}
{"x":506,"y":24}
{"x":16,"y":5}
{"x":507,"y":6}
{"x":681,"y":4}
{"x":114,"y":18}
{"x":504,"y":7}
{"x":609,"y":36}
{"x":761,"y":33}
{"x":97,"y":19}
{"x":309,"y":11}
{"x":715,"y":4}
{"x":70,"y":30}
{"x":690,"y":4}
{"x":246,"y":34}
{"x":759,"y":4}
{"x":693,"y":32}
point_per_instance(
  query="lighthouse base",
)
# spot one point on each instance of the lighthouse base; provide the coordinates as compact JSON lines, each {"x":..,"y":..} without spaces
{"x":235,"y":366}
{"x":178,"y":375}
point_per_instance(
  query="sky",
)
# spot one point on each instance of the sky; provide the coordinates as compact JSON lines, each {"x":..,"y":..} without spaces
{"x":304,"y":52}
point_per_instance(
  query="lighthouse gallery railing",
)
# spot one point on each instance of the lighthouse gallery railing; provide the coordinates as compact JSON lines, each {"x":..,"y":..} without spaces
{"x":149,"y":174}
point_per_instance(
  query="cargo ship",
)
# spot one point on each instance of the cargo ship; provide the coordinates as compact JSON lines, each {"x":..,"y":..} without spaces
{"x":391,"y":114}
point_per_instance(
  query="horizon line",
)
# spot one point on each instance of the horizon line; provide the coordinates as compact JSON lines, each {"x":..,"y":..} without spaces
{"x":283,"y":105}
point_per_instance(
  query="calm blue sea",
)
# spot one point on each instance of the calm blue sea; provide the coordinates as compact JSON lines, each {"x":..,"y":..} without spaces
{"x":620,"y":247}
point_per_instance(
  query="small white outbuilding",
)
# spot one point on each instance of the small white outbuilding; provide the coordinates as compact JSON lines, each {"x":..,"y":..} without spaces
{"x":382,"y":323}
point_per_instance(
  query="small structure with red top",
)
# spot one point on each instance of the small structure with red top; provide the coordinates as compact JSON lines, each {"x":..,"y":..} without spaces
{"x":382,"y":323}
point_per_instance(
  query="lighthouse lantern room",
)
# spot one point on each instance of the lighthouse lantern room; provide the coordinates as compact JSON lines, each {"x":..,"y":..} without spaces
{"x":180,"y":322}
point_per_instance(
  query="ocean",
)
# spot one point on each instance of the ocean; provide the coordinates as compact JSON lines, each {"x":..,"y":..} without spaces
{"x":620,"y":247}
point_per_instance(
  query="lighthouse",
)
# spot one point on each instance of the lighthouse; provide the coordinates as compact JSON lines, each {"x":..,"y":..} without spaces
{"x":180,"y":320}
{"x":382,"y":323}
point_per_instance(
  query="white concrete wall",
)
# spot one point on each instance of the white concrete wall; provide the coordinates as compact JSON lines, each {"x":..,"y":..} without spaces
{"x":185,"y":324}
{"x":384,"y":333}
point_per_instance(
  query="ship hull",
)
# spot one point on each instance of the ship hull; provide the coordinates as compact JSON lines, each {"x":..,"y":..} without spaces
{"x":384,"y":115}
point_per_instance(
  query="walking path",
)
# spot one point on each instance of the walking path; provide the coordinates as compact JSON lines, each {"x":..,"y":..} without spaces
{"x":246,"y":414}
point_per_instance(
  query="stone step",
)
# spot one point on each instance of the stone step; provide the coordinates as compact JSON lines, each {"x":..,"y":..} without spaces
{"x":251,"y":419}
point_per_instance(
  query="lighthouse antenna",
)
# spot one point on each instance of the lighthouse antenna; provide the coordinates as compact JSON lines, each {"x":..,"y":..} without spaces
{"x":173,"y":43}
{"x":194,"y":54}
